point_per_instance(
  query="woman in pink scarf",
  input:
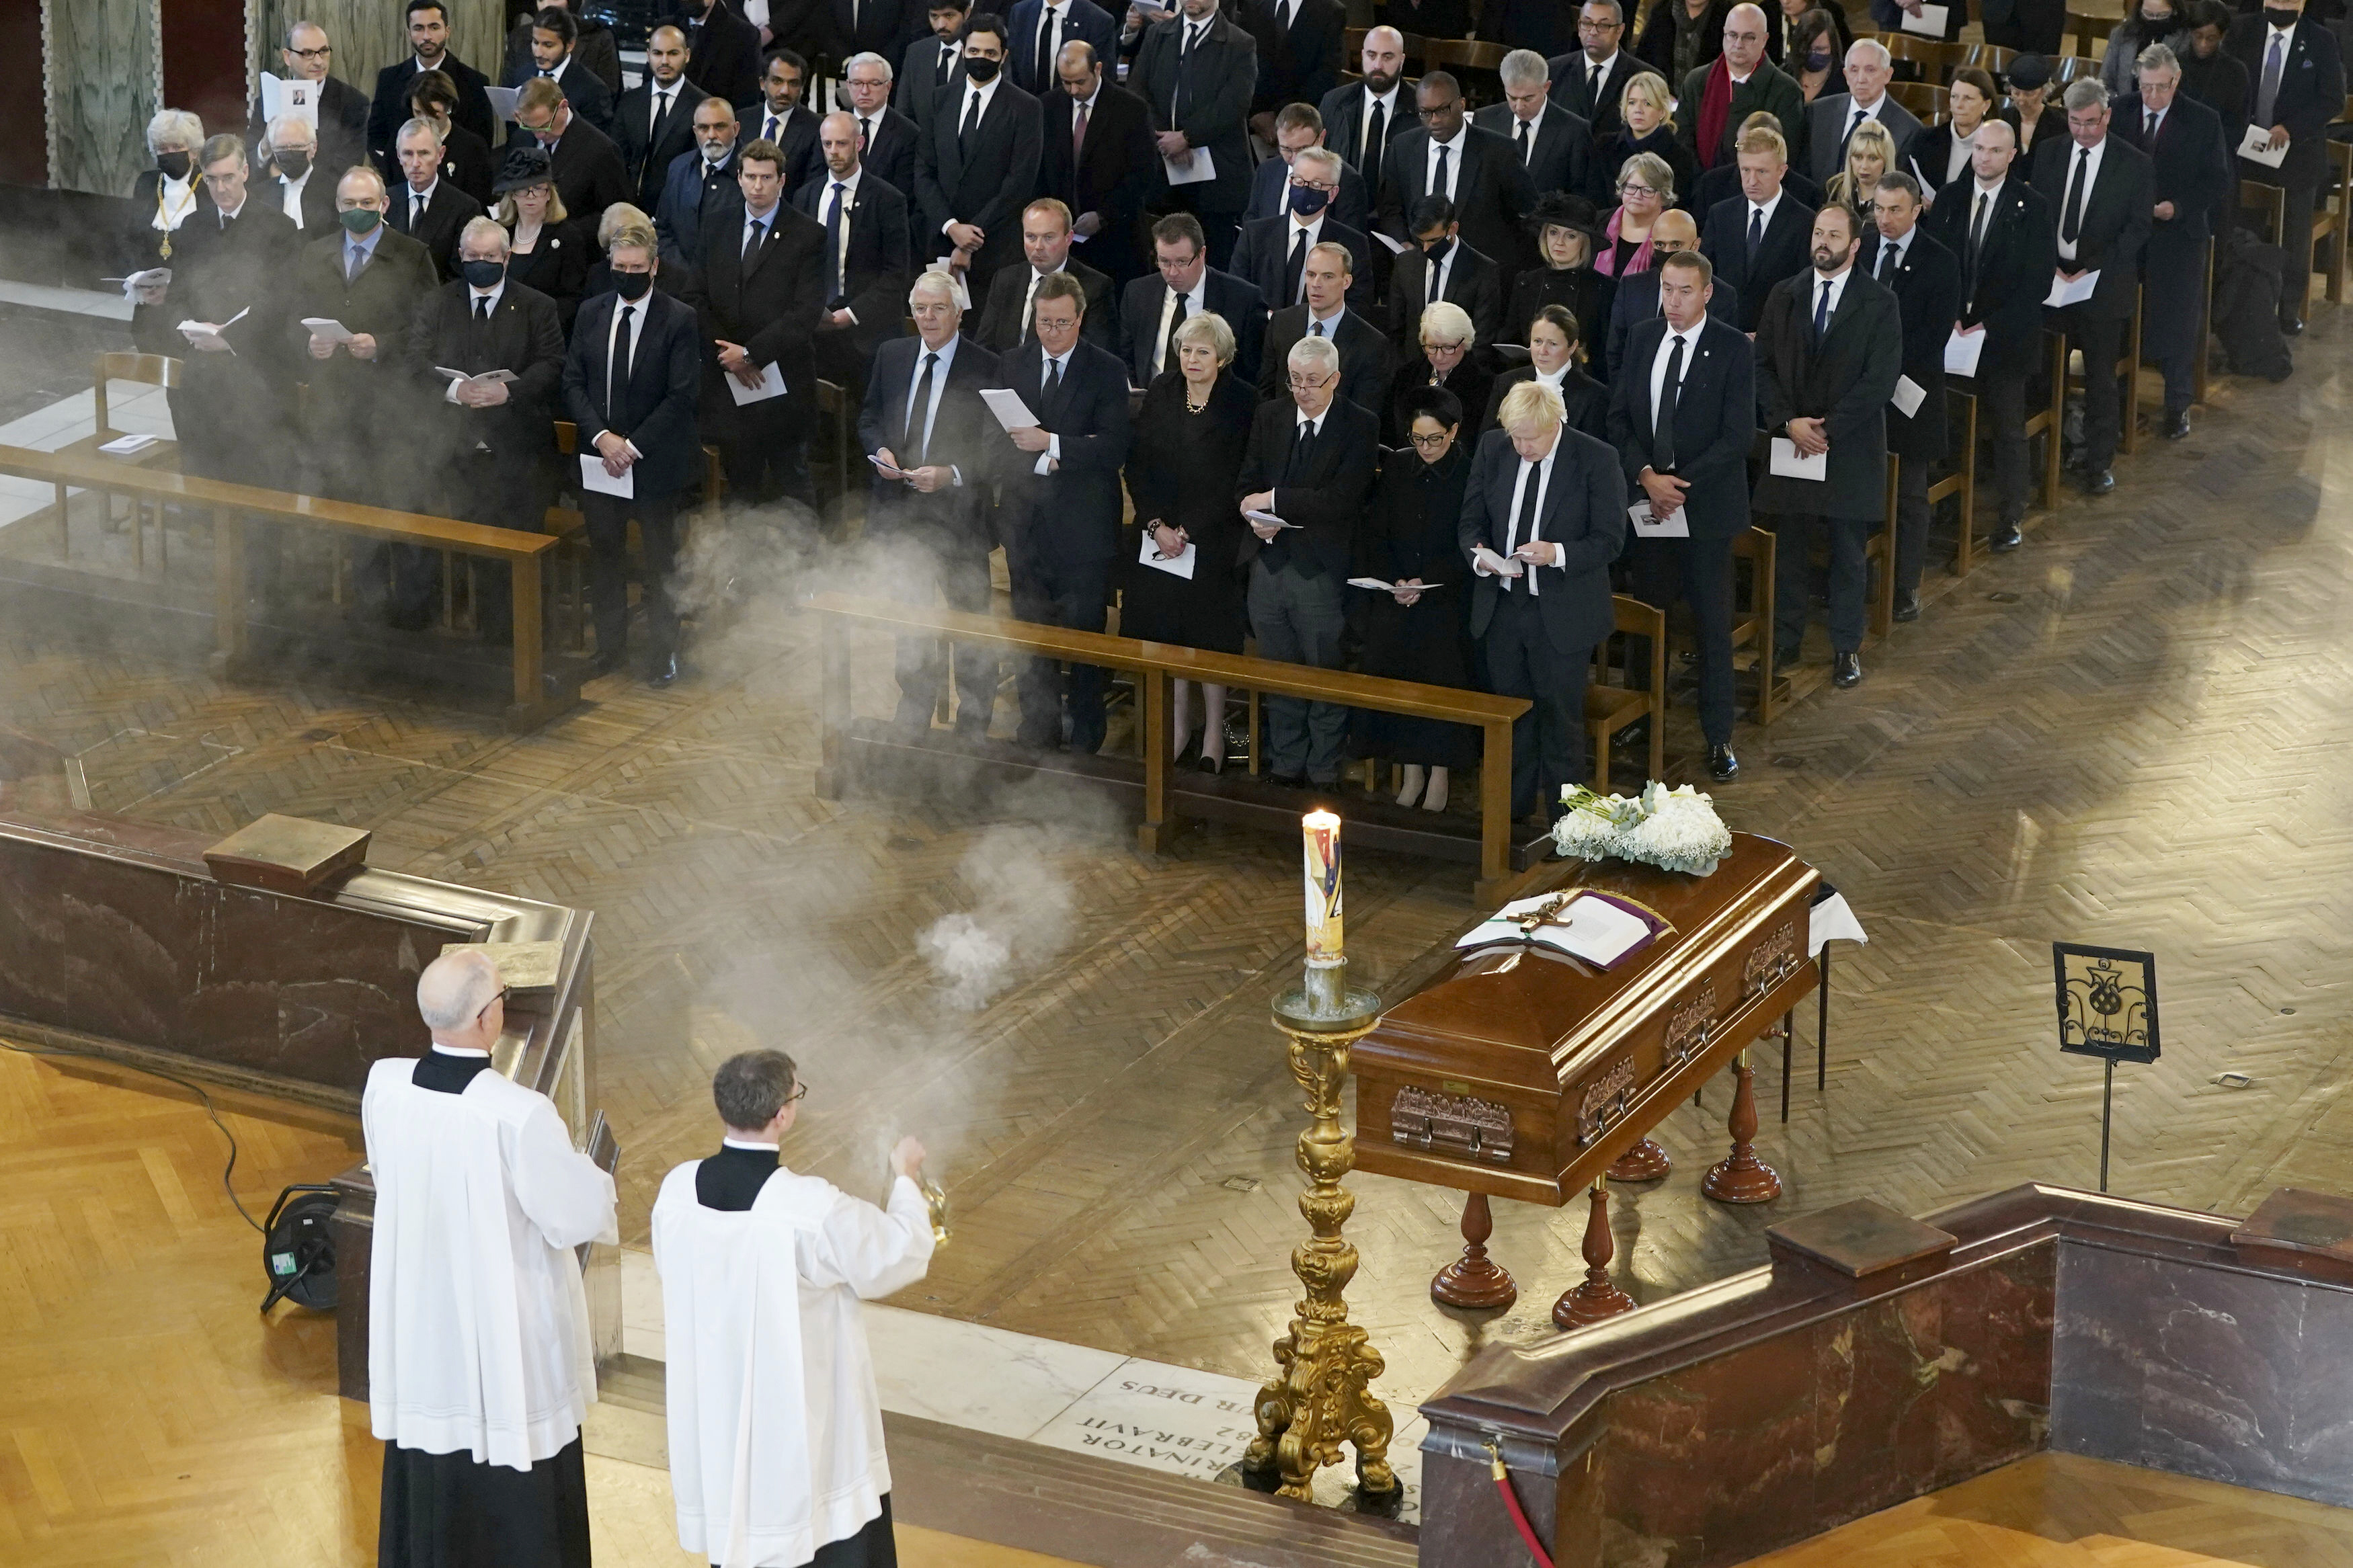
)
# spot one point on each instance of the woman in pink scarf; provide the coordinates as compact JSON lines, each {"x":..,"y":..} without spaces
{"x":1646,"y":187}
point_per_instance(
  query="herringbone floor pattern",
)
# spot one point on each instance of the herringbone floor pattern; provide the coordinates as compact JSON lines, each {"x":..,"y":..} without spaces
{"x":2130,"y":733}
{"x":2059,"y":1510}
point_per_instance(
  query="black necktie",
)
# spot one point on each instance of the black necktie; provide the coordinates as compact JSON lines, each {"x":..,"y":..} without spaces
{"x":865,"y":133}
{"x":1292,"y":269}
{"x":940,"y":66}
{"x":616,"y":365}
{"x":2072,"y":220}
{"x":1522,"y":138}
{"x":971,"y":121}
{"x":1438,"y":186}
{"x":2149,"y":136}
{"x":1852,"y":126}
{"x":1053,"y":380}
{"x":1524,"y":530}
{"x":1755,"y":233}
{"x":1314,"y":329}
{"x":1303,"y":448}
{"x":1593,"y":88}
{"x":752,"y":238}
{"x":1822,"y":312}
{"x":654,"y":120}
{"x":1886,"y":258}
{"x":1978,"y":222}
{"x":1045,"y":46}
{"x":833,"y":219}
{"x":1374,"y":130}
{"x":1168,"y":348}
{"x":481,"y":308}
{"x":1662,"y":425}
{"x":914,"y":435}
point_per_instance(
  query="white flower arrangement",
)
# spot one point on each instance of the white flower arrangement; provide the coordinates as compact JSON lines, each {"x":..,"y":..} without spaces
{"x":1675,"y":830}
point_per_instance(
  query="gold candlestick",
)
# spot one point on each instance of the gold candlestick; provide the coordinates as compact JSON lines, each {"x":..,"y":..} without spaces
{"x":1321,"y":1396}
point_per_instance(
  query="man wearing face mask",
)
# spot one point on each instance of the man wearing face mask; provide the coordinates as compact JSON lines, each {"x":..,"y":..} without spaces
{"x":2153,"y":22}
{"x":701,"y":190}
{"x":1296,"y":128}
{"x":1272,"y":255}
{"x":2296,"y":86}
{"x":589,"y":173}
{"x":296,"y":188}
{"x":982,"y":143}
{"x":1439,"y":266}
{"x":492,"y":443}
{"x":342,"y":122}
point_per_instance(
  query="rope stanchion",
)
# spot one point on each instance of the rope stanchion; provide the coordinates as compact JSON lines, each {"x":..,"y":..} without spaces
{"x":1511,"y":1506}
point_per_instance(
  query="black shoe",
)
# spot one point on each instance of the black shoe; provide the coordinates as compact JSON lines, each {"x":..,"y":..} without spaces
{"x":1907,"y":605}
{"x":2177,"y":424}
{"x":2098,"y":481}
{"x":1787,"y":658}
{"x":1287,"y":781}
{"x":1722,"y":765}
{"x":2006,"y":538}
{"x":1634,"y":736}
{"x":2291,"y":326}
{"x":1846,"y":670}
{"x":665,"y":671}
{"x":604,"y":664}
{"x":1087,"y":742}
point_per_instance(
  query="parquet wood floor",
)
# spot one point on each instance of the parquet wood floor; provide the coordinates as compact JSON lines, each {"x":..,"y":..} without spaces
{"x":2130,"y":733}
{"x":2061,"y":1511}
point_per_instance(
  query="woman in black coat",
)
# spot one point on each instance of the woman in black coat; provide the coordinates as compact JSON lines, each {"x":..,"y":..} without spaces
{"x":1649,"y":127}
{"x":1568,"y":234}
{"x":546,"y":249}
{"x":1415,"y":633}
{"x":466,"y":159}
{"x":1449,"y":358}
{"x":1552,"y":355}
{"x":1181,"y":473}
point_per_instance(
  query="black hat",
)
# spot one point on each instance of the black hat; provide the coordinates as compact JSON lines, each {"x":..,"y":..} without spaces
{"x":524,"y":167}
{"x":2029,"y":72}
{"x":1558,"y":209}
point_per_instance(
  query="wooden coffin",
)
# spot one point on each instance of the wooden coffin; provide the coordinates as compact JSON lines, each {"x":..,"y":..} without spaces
{"x":1523,"y":1072}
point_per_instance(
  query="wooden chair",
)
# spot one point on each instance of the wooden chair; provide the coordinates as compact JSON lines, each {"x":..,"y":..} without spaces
{"x":1961,"y":430}
{"x":1880,"y":548}
{"x":1610,"y":709}
{"x":2089,"y":31}
{"x":1475,"y":64}
{"x":2332,"y":219}
{"x":147,"y":370}
{"x":1991,"y":58}
{"x":2070,"y":69}
{"x":1752,"y":616}
{"x":1925,"y":99}
{"x":1921,"y":60}
{"x":2206,"y":326}
{"x":838,"y":413}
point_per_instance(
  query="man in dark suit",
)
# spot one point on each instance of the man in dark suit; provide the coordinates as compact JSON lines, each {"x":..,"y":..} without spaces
{"x":1363,"y":119}
{"x":1309,"y":462}
{"x":699,"y":192}
{"x":429,"y":40}
{"x":1297,"y":127}
{"x":653,"y":123}
{"x":1741,"y":81}
{"x":1553,"y":147}
{"x":1760,"y":236}
{"x":370,"y":281}
{"x":631,"y":385}
{"x":1060,"y":504}
{"x":782,"y":118}
{"x":1184,"y":287}
{"x":1272,"y":255}
{"x":1544,"y":513}
{"x":1043,"y":29}
{"x":723,"y":51}
{"x":1298,"y":45}
{"x":1722,"y":182}
{"x":1926,"y":281}
{"x":594,"y":48}
{"x":924,"y":421}
{"x":1448,"y":156}
{"x":1441,"y":265}
{"x":493,"y":443}
{"x":588,"y":166}
{"x":2001,"y":228}
{"x":2189,"y":174}
{"x":1098,"y":159}
{"x":1590,"y":82}
{"x":1832,"y":118}
{"x":981,"y":150}
{"x":1683,"y":414}
{"x":295,"y":185}
{"x":885,"y":27}
{"x":1198,"y":72}
{"x":932,"y":63}
{"x":1830,"y":348}
{"x":1636,"y":297}
{"x":889,"y":142}
{"x":554,"y":32}
{"x":759,"y":293}
{"x":1366,"y":360}
{"x":425,"y":207}
{"x":2028,"y":26}
{"x":2106,"y":198}
{"x":342,"y":119}
{"x":869,"y":255}
{"x":2295,"y":77}
{"x":1004,"y":322}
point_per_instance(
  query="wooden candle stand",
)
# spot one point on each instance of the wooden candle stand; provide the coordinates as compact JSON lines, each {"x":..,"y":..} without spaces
{"x":1740,"y":1177}
{"x":1475,"y":1282}
{"x":1596,"y":1298}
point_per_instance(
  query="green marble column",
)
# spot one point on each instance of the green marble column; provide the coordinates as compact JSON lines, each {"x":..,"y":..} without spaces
{"x":101,"y":80}
{"x":369,"y":35}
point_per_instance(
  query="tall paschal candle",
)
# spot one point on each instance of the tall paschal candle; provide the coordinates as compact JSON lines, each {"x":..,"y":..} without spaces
{"x":1321,"y":830}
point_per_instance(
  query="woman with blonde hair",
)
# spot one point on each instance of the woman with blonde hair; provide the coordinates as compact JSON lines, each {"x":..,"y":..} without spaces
{"x":1870,"y":152}
{"x":546,"y":248}
{"x":1648,"y":110}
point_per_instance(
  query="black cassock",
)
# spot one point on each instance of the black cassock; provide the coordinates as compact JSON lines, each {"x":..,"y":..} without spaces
{"x":1416,"y":513}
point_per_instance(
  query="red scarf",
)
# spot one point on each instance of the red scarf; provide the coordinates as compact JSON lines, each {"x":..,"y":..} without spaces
{"x":1715,"y":111}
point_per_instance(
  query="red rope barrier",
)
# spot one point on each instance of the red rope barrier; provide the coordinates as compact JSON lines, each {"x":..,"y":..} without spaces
{"x":1511,"y":1506}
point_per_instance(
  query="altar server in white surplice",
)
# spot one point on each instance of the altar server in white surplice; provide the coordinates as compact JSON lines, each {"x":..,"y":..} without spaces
{"x":775,"y":1433}
{"x":479,"y":1364}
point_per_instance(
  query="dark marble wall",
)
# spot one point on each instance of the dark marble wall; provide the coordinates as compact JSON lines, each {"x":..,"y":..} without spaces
{"x":1790,"y":1436}
{"x":2238,"y":1377}
{"x":135,"y":949}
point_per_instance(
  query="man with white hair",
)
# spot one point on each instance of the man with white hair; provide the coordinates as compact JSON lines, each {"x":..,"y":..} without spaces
{"x":1831,"y":121}
{"x":889,"y":143}
{"x":479,"y":1364}
{"x":1716,"y":99}
{"x":924,"y":427}
{"x":1309,"y":464}
{"x":2189,"y":171}
{"x":305,"y":54}
{"x":427,"y":209}
{"x":1552,"y":144}
{"x":296,"y":188}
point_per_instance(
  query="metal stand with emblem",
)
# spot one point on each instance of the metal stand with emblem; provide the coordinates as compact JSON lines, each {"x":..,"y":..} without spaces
{"x":2108,"y":1008}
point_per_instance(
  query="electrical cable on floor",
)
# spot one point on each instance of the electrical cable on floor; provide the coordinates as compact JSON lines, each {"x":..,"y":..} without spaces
{"x":196,"y":1089}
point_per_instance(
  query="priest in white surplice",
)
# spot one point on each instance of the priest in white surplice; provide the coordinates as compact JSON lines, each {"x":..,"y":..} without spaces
{"x":479,"y":1364}
{"x":775,"y":1435}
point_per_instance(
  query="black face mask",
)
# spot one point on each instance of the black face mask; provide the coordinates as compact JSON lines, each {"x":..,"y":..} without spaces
{"x":981,"y":71}
{"x":632,"y":285}
{"x":176,"y":165}
{"x":293,"y":165}
{"x":2157,"y":21}
{"x":1308,"y":200}
{"x":484,"y":274}
{"x":2279,"y":19}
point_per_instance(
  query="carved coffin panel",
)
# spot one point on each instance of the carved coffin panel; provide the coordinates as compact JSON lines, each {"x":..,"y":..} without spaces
{"x":1771,"y":961}
{"x":1604,"y":1100}
{"x":1689,"y":1025}
{"x":1451,"y":1124}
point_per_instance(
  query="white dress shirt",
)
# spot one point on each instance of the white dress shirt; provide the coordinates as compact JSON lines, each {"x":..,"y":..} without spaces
{"x":1535,"y":130}
{"x":628,"y":357}
{"x":2089,"y":158}
{"x":418,"y":201}
{"x":848,"y":193}
{"x":1388,"y":102}
{"x":1436,"y":269}
{"x":1763,"y":211}
{"x":289,"y":193}
{"x":1689,"y":338}
{"x":475,"y":299}
{"x":939,"y":384}
{"x":1815,"y":283}
{"x":1173,"y":307}
{"x":1453,"y":162}
{"x":1057,"y":14}
{"x":973,"y":90}
{"x":1051,"y":369}
{"x":1540,"y":472}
